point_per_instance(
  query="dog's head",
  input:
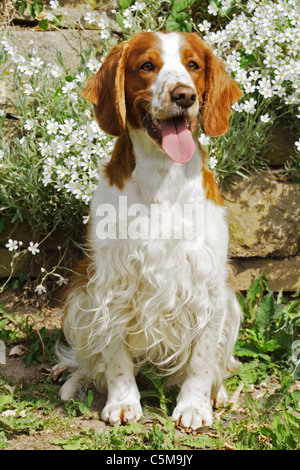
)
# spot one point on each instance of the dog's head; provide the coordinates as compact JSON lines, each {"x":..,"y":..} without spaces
{"x":162,"y":83}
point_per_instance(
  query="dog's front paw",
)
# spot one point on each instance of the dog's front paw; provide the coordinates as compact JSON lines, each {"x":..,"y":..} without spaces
{"x":119,"y":413}
{"x":192,"y":417}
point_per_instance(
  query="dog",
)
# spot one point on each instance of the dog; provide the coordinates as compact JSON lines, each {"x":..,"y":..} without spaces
{"x":148,"y":295}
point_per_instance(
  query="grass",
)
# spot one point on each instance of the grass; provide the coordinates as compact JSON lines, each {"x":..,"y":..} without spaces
{"x":263,"y":413}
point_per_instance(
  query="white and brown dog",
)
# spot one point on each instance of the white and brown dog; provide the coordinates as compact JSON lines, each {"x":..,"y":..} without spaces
{"x":151,"y":296}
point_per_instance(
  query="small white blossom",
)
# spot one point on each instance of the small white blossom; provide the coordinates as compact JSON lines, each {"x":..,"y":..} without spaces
{"x":33,"y":248}
{"x":265,"y":117}
{"x":213,"y":9}
{"x":40,"y":289}
{"x":52,"y":126}
{"x":62,"y":281}
{"x":204,"y":139}
{"x":212,"y":162}
{"x":12,"y":245}
{"x":29,"y":124}
{"x":249,"y":106}
{"x":54,"y":4}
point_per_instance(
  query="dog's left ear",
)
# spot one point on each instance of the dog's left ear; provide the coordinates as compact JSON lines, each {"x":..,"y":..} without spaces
{"x":106,"y":90}
{"x":221,"y":92}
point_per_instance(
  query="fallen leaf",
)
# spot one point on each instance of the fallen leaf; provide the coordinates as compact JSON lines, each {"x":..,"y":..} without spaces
{"x":18,"y":350}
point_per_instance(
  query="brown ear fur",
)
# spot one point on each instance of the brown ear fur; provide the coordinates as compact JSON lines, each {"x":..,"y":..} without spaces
{"x":106,"y":91}
{"x":221,"y":92}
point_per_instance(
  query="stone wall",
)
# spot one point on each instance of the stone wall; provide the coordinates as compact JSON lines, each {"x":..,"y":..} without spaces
{"x":263,"y":210}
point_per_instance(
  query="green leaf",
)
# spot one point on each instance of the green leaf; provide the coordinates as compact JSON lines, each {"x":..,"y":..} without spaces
{"x":39,"y":7}
{"x":246,"y":59}
{"x":124,"y":4}
{"x":119,"y":19}
{"x":265,"y":312}
{"x":245,"y":349}
{"x":6,"y":399}
{"x":43,"y":24}
{"x":32,"y":10}
{"x":247,"y":373}
{"x":286,"y":383}
{"x":179,"y":22}
{"x":23,"y":6}
{"x":56,"y":20}
{"x":255,"y":290}
{"x":179,"y":5}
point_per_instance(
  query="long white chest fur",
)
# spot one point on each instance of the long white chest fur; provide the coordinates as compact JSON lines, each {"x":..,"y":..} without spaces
{"x":159,"y":255}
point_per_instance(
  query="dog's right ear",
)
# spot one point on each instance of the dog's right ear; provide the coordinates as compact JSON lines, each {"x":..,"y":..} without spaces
{"x":106,"y":90}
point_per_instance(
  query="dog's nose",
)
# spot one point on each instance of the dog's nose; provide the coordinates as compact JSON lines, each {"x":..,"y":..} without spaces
{"x":183,"y":96}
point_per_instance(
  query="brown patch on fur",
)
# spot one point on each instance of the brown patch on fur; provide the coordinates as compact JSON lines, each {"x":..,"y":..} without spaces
{"x":107,"y":92}
{"x":221,"y":92}
{"x":217,"y":92}
{"x":77,"y":281}
{"x":211,"y":186}
{"x":122,"y":162}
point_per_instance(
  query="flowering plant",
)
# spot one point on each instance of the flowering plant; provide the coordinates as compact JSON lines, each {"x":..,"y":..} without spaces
{"x":48,"y":171}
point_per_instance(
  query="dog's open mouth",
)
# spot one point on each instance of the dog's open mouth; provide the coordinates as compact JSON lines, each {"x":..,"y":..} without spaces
{"x":174,"y":135}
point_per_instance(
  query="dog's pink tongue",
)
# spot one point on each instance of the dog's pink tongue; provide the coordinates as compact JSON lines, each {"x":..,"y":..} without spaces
{"x":177,"y":140}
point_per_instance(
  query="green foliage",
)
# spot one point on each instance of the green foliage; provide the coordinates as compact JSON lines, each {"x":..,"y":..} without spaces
{"x":271,"y":327}
{"x":259,"y":422}
{"x":75,"y":407}
{"x":35,"y":8}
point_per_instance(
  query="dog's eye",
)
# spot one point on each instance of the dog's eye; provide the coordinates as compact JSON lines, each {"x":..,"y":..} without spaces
{"x":147,"y":66}
{"x":192,"y":65}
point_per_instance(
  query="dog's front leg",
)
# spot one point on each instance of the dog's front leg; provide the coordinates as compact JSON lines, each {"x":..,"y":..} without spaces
{"x":123,"y":398}
{"x":194,"y":405}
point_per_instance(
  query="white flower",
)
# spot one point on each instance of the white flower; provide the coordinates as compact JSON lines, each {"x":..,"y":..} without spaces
{"x":212,"y":162}
{"x":61,"y":281}
{"x":67,"y":127}
{"x":54,"y":4}
{"x":81,"y":77}
{"x":265,"y":117}
{"x":248,"y":88}
{"x":29,"y":124}
{"x":12,"y":245}
{"x":36,"y":62}
{"x":213,"y":9}
{"x":204,"y":26}
{"x":204,"y":139}
{"x":52,"y":126}
{"x":28,"y":89}
{"x":33,"y":248}
{"x":40,"y":289}
{"x":138,"y":6}
{"x":104,"y":34}
{"x":249,"y":106}
{"x":69,"y":86}
{"x":93,"y":65}
{"x":297,"y":143}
